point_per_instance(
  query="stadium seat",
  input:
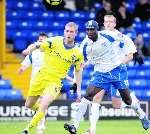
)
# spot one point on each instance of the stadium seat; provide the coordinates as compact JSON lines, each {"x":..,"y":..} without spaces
{"x":49,"y":16}
{"x":98,"y":6}
{"x":146,"y":26}
{"x":137,"y":26}
{"x":16,"y":15}
{"x":22,"y":5}
{"x":78,"y":15}
{"x":130,"y":6}
{"x":10,"y":95}
{"x":12,"y":25}
{"x":57,"y":25}
{"x":80,"y":36}
{"x":35,"y":6}
{"x":19,"y":45}
{"x":88,"y":16}
{"x":146,"y":36}
{"x":14,"y":95}
{"x":81,"y":25}
{"x":142,"y":94}
{"x":2,"y":95}
{"x":5,"y":84}
{"x":31,"y":15}
{"x":56,"y":32}
{"x":62,"y":15}
{"x":139,"y":84}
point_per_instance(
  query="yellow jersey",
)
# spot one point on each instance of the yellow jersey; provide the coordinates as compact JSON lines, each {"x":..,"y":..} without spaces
{"x":58,"y":58}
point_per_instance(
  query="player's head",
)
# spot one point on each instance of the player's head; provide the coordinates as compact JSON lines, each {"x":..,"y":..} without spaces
{"x":70,"y":31}
{"x":92,"y":29}
{"x":109,"y":21}
{"x":42,"y":36}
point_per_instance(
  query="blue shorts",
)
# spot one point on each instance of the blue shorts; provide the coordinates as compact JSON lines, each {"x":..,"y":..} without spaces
{"x":114,"y":92}
{"x":117,"y":78}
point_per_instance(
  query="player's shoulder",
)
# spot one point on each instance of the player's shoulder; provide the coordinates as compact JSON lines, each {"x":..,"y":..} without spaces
{"x":85,"y":41}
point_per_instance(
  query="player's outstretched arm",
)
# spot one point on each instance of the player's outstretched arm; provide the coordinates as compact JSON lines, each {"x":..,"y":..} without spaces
{"x":22,"y":69}
{"x":29,"y":49}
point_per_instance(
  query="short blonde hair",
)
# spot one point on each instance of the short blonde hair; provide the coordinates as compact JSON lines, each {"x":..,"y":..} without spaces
{"x":110,"y":15}
{"x":72,"y":24}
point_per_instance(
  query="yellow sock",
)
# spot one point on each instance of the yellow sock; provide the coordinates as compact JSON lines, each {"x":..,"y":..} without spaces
{"x":35,"y":107}
{"x":35,"y":120}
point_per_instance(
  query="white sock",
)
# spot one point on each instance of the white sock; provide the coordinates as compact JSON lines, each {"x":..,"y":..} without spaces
{"x":94,"y":116}
{"x":41,"y":124}
{"x":123,"y":105}
{"x":136,"y":106}
{"x":82,"y":107}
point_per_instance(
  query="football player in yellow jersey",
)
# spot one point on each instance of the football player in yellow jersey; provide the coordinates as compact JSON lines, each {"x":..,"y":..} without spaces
{"x":59,"y":54}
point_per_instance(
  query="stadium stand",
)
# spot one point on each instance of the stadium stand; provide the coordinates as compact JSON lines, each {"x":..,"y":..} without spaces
{"x":26,"y":18}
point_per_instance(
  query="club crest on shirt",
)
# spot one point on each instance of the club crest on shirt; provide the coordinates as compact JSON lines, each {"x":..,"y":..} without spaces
{"x":74,"y":58}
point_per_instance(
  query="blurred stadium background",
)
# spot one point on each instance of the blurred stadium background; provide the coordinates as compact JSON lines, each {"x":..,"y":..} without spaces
{"x":20,"y":23}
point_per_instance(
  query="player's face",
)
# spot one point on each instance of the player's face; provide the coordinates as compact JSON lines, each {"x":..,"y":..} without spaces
{"x":42,"y":38}
{"x":91,"y":33}
{"x":70,"y":33}
{"x":109,"y":22}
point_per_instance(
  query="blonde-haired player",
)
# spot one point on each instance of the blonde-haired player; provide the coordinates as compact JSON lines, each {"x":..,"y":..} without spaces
{"x":59,"y":54}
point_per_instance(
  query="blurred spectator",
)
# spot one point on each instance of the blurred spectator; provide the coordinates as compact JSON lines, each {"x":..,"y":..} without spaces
{"x":85,"y":4}
{"x":139,"y":43}
{"x":142,"y":10}
{"x":116,"y":4}
{"x":107,"y":8}
{"x":60,"y":6}
{"x":124,"y":17}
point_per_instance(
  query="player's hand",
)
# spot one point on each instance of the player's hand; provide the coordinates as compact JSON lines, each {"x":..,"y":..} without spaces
{"x":20,"y":70}
{"x":25,"y":52}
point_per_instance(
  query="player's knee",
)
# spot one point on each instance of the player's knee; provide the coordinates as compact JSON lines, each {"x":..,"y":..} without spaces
{"x":116,"y":102}
{"x":28,"y":105}
{"x":127,"y":101}
{"x":115,"y":105}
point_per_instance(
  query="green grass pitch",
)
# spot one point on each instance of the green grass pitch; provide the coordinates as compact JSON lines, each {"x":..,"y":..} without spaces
{"x":56,"y":127}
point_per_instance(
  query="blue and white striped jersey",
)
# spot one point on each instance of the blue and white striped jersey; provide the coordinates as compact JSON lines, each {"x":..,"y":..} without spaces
{"x":108,"y":51}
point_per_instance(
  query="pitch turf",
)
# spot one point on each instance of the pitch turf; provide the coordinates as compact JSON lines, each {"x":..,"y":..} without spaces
{"x":56,"y":127}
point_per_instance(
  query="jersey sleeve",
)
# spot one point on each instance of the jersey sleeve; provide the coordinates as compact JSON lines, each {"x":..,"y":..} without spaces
{"x":129,"y":45}
{"x":46,"y":45}
{"x":27,"y":61}
{"x":79,"y":61}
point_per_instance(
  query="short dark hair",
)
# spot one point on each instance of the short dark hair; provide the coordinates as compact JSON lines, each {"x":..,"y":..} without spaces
{"x":111,"y":14}
{"x":43,"y":34}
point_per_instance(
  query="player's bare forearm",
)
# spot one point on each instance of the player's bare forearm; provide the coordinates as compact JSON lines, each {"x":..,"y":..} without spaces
{"x":29,"y":49}
{"x":22,"y":69}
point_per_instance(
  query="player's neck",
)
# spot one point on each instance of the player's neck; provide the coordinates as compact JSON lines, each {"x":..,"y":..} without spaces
{"x":95,"y":38}
{"x":69,"y":43}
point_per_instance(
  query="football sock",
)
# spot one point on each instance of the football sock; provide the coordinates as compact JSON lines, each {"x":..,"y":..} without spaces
{"x":136,"y":106}
{"x":82,"y":107}
{"x":94,"y":116}
{"x":123,"y":105}
{"x":36,"y":118}
{"x":41,"y":124}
